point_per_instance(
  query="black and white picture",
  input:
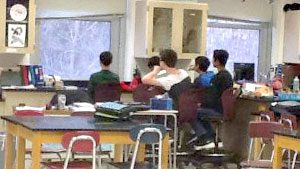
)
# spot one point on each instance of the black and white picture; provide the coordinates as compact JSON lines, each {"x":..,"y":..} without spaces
{"x":16,"y":35}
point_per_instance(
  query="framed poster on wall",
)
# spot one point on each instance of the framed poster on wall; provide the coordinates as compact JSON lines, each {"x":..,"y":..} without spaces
{"x":16,"y":35}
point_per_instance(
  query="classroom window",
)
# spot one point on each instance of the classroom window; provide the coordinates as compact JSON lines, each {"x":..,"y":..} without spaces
{"x":240,"y":39}
{"x":70,"y":48}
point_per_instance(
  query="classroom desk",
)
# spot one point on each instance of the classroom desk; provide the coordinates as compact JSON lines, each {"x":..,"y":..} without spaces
{"x":284,"y":139}
{"x":45,"y":129}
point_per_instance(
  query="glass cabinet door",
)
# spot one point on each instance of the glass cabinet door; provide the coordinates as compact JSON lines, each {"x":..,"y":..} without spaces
{"x":192,"y":31}
{"x":162,"y":29}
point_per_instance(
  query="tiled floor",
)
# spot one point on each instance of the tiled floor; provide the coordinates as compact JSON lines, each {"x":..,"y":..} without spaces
{"x":188,"y":166}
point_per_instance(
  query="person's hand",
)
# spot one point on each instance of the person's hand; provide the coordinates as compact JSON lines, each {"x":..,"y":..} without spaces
{"x":156,"y":69}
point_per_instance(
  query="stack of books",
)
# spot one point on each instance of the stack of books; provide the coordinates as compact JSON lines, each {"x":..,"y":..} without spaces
{"x":32,"y":74}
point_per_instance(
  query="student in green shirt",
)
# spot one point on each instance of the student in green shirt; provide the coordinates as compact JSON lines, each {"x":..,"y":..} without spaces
{"x":103,"y":76}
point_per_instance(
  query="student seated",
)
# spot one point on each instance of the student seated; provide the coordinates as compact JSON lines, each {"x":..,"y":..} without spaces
{"x":201,"y":65}
{"x":168,"y":59}
{"x":103,"y":76}
{"x":212,"y":99}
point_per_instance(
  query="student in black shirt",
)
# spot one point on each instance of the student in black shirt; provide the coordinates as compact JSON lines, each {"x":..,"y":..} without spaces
{"x":212,"y":98}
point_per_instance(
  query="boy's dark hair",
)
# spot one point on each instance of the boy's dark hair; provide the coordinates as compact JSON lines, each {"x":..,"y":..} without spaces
{"x":221,"y":56}
{"x":106,"y":58}
{"x":203,"y":63}
{"x":153,"y":61}
{"x":169,"y":56}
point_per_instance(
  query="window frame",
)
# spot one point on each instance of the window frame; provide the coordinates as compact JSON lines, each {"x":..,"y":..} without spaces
{"x":265,"y":35}
{"x":116,"y":39}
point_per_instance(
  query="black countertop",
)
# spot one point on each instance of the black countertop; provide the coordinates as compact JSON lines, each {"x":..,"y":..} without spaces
{"x":288,"y":133}
{"x":40,"y":89}
{"x":46,"y":123}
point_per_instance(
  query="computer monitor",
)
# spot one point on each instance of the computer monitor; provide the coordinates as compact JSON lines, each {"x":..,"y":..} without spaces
{"x":243,"y":71}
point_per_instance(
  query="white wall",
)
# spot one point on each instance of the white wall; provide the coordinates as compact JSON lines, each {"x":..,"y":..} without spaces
{"x":12,"y":60}
{"x":71,"y":8}
{"x":256,"y":10}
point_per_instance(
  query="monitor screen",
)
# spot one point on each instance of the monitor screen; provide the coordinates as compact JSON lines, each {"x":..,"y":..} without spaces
{"x":244,"y":71}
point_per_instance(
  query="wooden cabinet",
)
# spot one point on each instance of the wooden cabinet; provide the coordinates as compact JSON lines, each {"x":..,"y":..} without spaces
{"x":177,"y":25}
{"x":291,"y":46}
{"x":17,"y":31}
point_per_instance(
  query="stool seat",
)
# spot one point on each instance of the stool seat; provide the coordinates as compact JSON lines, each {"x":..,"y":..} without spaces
{"x":210,"y":115}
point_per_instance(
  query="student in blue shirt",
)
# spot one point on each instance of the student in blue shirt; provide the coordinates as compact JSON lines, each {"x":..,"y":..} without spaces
{"x":201,"y":65}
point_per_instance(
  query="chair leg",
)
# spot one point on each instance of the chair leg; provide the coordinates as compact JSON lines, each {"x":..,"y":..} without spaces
{"x":153,"y":153}
{"x":59,"y":156}
{"x":216,"y":138}
{"x":99,"y":160}
{"x":3,"y":143}
{"x":170,"y":157}
{"x":289,"y":159}
{"x":294,"y":159}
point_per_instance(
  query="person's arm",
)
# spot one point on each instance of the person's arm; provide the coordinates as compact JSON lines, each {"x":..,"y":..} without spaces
{"x":150,"y":78}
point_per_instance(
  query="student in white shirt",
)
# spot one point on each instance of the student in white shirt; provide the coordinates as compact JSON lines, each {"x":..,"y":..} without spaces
{"x":168,"y":59}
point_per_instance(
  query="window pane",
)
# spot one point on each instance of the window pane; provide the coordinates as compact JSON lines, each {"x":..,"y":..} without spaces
{"x":162,"y":29}
{"x":241,"y":44}
{"x":71,"y":48}
{"x":191,"y":29}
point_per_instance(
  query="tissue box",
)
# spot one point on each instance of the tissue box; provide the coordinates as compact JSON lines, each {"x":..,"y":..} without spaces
{"x":161,"y":104}
{"x":289,"y":96}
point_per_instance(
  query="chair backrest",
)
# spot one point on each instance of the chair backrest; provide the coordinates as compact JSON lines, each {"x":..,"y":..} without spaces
{"x":148,"y":134}
{"x":188,"y":103}
{"x":267,"y":116}
{"x":228,"y":99}
{"x":143,"y":92}
{"x":72,"y":96}
{"x":107,"y":92}
{"x":28,"y":113}
{"x":148,"y":137}
{"x":263,"y":129}
{"x":80,"y":145}
{"x":177,"y":89}
{"x":80,"y":141}
{"x":289,"y":120}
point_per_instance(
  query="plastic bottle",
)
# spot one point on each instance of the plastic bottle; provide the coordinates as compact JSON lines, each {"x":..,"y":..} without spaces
{"x":296,"y":84}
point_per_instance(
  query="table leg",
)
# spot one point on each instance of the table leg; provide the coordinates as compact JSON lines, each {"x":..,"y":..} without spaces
{"x":21,"y":153}
{"x":277,"y":156}
{"x":165,"y":152}
{"x":9,"y":148}
{"x":118,"y":157}
{"x":141,"y":153}
{"x":36,"y":154}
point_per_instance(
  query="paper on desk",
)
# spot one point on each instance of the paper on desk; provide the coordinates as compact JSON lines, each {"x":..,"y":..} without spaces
{"x":19,"y":87}
{"x":82,"y":104}
{"x":82,"y":109}
{"x":30,"y":108}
